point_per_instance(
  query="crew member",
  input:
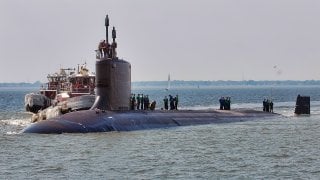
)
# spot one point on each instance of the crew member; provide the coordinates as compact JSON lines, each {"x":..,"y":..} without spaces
{"x":142,"y":101}
{"x":107,"y":50}
{"x":268,"y":105}
{"x":227,"y":103}
{"x":176,"y":102}
{"x":130,"y":101}
{"x":153,"y":105}
{"x":133,"y":102}
{"x":102,"y":48}
{"x":222,"y":102}
{"x":146,"y":102}
{"x":113,"y":49}
{"x":165,"y":101}
{"x":138,"y":101}
{"x":114,"y":44}
{"x":171,"y":102}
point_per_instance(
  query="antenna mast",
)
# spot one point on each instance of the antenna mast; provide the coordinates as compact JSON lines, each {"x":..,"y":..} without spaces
{"x":107,"y":28}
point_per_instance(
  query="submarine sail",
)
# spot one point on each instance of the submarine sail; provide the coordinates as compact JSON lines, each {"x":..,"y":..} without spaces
{"x":113,"y":77}
{"x":113,"y":85}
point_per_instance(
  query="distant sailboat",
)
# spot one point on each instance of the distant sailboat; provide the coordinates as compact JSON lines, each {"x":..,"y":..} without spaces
{"x":168,"y":85}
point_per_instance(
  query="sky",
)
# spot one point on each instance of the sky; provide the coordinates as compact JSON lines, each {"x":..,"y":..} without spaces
{"x":188,"y":39}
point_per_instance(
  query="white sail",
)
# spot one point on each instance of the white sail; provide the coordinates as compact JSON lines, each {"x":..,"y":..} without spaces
{"x":168,"y":83}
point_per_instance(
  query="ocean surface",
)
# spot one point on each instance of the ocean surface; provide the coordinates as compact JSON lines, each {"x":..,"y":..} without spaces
{"x":285,"y":147}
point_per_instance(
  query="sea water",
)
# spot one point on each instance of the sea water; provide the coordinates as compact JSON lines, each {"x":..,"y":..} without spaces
{"x":286,"y":147}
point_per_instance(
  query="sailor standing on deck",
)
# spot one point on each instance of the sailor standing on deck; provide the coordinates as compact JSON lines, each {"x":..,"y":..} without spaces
{"x":268,"y":105}
{"x":138,"y":101}
{"x":176,"y":102}
{"x":142,"y":101}
{"x":146,"y":102}
{"x":271,"y":106}
{"x":227,"y":103}
{"x":221,"y":101}
{"x":133,"y":102}
{"x":153,"y":105}
{"x":264,"y":104}
{"x":165,"y":102}
{"x":171,"y":102}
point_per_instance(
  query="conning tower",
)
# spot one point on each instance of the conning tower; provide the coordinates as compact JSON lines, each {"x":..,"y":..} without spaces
{"x":113,"y":77}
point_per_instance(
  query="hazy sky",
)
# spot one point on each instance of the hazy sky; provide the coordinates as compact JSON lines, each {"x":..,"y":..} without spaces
{"x":191,"y":40}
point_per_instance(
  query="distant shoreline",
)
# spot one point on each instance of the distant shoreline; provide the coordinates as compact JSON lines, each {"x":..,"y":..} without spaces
{"x":179,"y":83}
{"x":21,"y":84}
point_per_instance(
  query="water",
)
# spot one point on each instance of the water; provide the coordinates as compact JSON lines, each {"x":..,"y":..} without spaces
{"x":280,"y":148}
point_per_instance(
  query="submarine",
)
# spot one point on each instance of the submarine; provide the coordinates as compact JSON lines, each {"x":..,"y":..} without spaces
{"x":111,"y":109}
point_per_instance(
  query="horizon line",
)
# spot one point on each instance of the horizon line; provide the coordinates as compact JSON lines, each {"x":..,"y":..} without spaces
{"x":35,"y":82}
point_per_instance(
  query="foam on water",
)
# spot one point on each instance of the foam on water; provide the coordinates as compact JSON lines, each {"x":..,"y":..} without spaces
{"x":13,"y":126}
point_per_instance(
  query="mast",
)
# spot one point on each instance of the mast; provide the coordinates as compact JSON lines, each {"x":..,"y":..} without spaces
{"x":114,"y":34}
{"x":168,"y":83}
{"x":107,"y":28}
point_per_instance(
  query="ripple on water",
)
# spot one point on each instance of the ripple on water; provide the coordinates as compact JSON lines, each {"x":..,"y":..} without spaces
{"x":286,"y":147}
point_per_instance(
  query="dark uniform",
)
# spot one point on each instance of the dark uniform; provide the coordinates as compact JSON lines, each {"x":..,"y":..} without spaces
{"x":222,"y":102}
{"x":142,"y":101}
{"x":171,"y":102}
{"x":146,"y":102}
{"x":228,"y":103}
{"x":153,"y":105}
{"x":165,"y":101}
{"x":138,"y":101}
{"x":264,"y":104}
{"x":133,"y":102}
{"x":176,"y":102}
{"x":268,"y":105}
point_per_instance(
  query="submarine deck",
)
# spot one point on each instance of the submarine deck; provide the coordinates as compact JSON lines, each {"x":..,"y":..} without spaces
{"x":103,"y":121}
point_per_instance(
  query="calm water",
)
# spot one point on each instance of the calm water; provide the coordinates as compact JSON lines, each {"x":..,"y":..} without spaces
{"x":284,"y":147}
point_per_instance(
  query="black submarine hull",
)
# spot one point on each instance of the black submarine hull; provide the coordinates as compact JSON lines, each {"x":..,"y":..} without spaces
{"x":104,"y":121}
